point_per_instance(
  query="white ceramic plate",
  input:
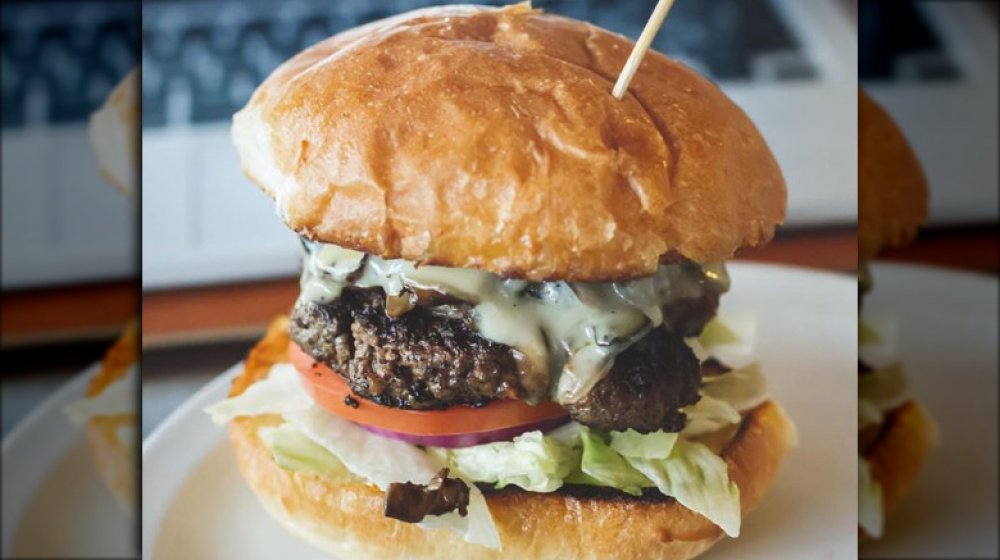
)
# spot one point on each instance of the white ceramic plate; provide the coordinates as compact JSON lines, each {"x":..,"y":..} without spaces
{"x":195,"y":504}
{"x":947,"y":340}
{"x":54,"y":502}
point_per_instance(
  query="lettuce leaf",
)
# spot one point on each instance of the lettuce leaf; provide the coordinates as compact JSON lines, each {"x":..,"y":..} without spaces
{"x":743,"y":388}
{"x":717,"y":333}
{"x":314,"y":440}
{"x":654,"y":445}
{"x":870,"y":514}
{"x":379,"y":460}
{"x":606,"y":467}
{"x":723,"y":398}
{"x":383,"y":461}
{"x":532,"y":461}
{"x":878,"y":338}
{"x":294,"y":451}
{"x":731,"y":338}
{"x":867,"y":334}
{"x":699,"y":480}
{"x":708,"y":415}
{"x":117,"y":398}
{"x":885,"y":388}
{"x":280,"y":393}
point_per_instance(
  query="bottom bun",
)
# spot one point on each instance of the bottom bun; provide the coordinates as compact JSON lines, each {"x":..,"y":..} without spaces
{"x":343,"y":515}
{"x":897,"y":456}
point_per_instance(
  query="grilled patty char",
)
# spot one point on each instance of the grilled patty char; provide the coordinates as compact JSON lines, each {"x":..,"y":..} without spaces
{"x":433,"y":357}
{"x":647,"y":385}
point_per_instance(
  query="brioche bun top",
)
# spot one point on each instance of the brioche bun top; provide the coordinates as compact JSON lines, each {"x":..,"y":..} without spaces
{"x":892,"y":190}
{"x":488,"y":138}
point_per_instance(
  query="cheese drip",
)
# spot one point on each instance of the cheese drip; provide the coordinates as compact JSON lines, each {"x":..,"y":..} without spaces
{"x":568,"y":332}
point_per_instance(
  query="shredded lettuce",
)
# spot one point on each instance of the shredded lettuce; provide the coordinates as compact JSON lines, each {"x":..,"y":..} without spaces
{"x":723,"y":397}
{"x":606,"y":467}
{"x":654,"y":445}
{"x":867,"y":334}
{"x":730,"y":338}
{"x":281,"y":392}
{"x":294,"y":451}
{"x":379,"y":460}
{"x":314,"y":440}
{"x":708,"y":415}
{"x":878,"y":338}
{"x":717,"y":333}
{"x":532,"y":461}
{"x":885,"y":388}
{"x":870,"y":513}
{"x":117,"y":398}
{"x":383,"y":461}
{"x":699,"y":480}
{"x":869,"y":415}
{"x":743,"y":388}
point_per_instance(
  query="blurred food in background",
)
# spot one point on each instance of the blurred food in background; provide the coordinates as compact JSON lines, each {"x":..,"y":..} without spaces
{"x":895,"y":434}
{"x":932,"y":66}
{"x":69,"y":279}
{"x":61,"y":223}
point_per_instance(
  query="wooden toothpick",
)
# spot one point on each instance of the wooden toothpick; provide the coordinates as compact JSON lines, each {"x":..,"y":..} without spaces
{"x":641,"y":46}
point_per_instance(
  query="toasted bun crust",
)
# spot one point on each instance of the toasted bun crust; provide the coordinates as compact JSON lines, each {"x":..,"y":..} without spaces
{"x":892,"y":190}
{"x":114,"y":134}
{"x":898,"y":455}
{"x":343,"y":515}
{"x":488,"y":138}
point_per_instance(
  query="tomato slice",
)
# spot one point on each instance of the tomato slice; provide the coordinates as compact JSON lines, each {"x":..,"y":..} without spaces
{"x":331,"y":392}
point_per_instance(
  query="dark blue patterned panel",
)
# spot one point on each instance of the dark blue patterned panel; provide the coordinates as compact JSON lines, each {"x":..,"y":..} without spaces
{"x":202,"y":59}
{"x":896,"y":41}
{"x":61,"y":59}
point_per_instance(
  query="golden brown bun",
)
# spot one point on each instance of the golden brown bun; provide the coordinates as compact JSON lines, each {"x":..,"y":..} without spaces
{"x":114,"y":134}
{"x":343,"y":515}
{"x":892,"y":190}
{"x":898,"y":455}
{"x":488,"y":138}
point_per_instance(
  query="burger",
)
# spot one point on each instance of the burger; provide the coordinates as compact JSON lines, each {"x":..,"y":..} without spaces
{"x":502,"y":344}
{"x":107,"y":410}
{"x":895,"y":434}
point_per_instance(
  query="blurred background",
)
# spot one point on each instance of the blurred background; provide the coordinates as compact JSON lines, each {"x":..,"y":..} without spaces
{"x":933,"y":67}
{"x":69,"y":274}
{"x":69,"y":250}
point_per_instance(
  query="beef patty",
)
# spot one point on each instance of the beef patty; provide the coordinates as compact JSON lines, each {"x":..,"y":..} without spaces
{"x":419,"y":360}
{"x":647,"y":385}
{"x":433,"y":357}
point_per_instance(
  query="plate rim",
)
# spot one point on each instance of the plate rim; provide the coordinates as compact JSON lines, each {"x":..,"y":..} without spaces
{"x":18,"y":497}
